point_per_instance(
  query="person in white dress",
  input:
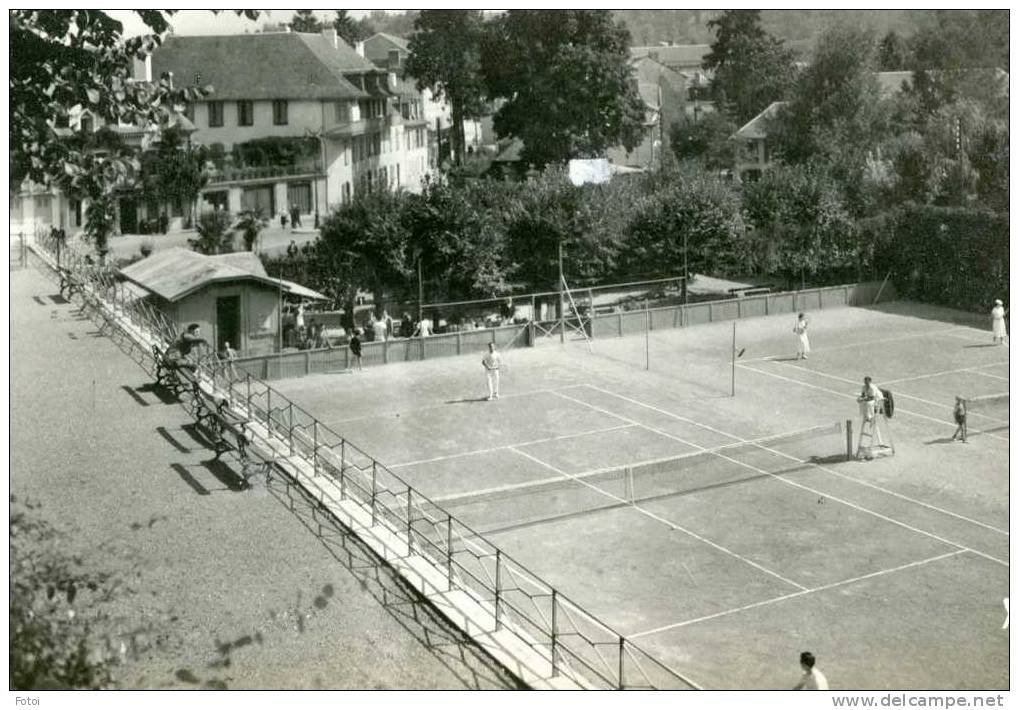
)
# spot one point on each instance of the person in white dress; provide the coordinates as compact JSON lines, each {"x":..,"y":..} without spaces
{"x":998,"y":322}
{"x":802,"y":341}
{"x":492,"y":361}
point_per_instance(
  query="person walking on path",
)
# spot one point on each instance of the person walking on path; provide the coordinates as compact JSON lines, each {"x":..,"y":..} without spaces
{"x":355,"y":349}
{"x":295,"y":217}
{"x":802,"y":341}
{"x":812,"y":679}
{"x":283,"y":220}
{"x":230,"y":355}
{"x":998,"y":322}
{"x":492,"y":361}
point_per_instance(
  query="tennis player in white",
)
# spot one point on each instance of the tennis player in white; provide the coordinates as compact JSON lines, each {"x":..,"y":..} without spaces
{"x":492,"y":361}
{"x":802,"y":341}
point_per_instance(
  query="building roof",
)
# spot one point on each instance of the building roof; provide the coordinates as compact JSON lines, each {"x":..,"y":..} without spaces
{"x":277,"y":65}
{"x":176,"y":273}
{"x":677,"y":55}
{"x":757,"y":127}
{"x":377,"y":47}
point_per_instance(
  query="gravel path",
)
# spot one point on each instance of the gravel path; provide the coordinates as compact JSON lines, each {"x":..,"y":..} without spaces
{"x":220,"y":587}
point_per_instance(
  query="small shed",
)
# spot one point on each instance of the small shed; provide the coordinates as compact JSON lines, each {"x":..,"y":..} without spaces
{"x":230,"y":296}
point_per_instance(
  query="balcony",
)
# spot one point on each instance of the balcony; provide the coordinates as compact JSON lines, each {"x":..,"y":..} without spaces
{"x":227,"y":175}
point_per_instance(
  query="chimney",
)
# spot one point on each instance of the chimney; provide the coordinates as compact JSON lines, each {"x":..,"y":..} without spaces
{"x":141,"y":69}
{"x":331,"y":37}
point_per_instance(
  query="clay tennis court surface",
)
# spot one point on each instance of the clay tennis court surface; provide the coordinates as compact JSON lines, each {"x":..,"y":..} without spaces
{"x":892,"y":572}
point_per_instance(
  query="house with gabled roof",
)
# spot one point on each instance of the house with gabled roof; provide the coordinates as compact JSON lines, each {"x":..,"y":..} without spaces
{"x":297,"y":119}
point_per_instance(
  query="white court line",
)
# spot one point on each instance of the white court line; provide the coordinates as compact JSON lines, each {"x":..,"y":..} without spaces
{"x":849,"y":396}
{"x":508,"y":446}
{"x":784,"y":597}
{"x":901,"y":395}
{"x":848,"y":346}
{"x":821,"y":493}
{"x":669,"y":523}
{"x":975,"y":369}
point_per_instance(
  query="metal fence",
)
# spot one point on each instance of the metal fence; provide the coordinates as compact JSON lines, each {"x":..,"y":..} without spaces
{"x":572,"y":641}
{"x":680,"y":316}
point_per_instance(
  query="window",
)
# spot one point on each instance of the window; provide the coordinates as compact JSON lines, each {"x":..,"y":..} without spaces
{"x":279,"y":112}
{"x":342,"y":111}
{"x":245,"y":113}
{"x":62,"y":121}
{"x":86,"y":124}
{"x":397,"y":174}
{"x":215,"y":114}
{"x":346,"y":192}
{"x":383,"y":177}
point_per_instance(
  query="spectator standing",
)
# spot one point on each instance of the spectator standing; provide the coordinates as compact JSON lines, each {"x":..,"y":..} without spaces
{"x":998,"y":322}
{"x":283,"y":222}
{"x":295,"y":217}
{"x":230,"y":355}
{"x":406,"y":326}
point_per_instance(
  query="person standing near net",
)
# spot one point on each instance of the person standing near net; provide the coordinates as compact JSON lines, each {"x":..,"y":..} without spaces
{"x":872,"y":408}
{"x":355,"y":349}
{"x":802,"y":341}
{"x":492,"y":361}
{"x":812,"y":679}
{"x":998,"y":322}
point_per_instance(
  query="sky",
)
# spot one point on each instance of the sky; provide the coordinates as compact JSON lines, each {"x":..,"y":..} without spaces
{"x":203,"y":22}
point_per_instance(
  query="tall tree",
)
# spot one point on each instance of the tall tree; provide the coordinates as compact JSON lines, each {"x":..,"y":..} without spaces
{"x":305,"y":21}
{"x":566,"y":81}
{"x":894,"y":53}
{"x":751,"y":68}
{"x":350,"y":30}
{"x":445,"y":57}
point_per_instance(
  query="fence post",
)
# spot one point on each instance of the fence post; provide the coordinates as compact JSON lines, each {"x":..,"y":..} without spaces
{"x":845,"y":296}
{"x":555,"y":666}
{"x":314,"y":448}
{"x":449,"y":552}
{"x":622,"y":653}
{"x":374,"y":489}
{"x":459,"y":344}
{"x":498,"y":593}
{"x":410,"y":521}
{"x":619,"y":318}
{"x":268,"y":410}
{"x":307,"y":362}
{"x":385,"y":351}
{"x":290,"y":426}
{"x":849,"y":440}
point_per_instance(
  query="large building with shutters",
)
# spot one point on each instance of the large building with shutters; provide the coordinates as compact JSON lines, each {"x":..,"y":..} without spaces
{"x":297,"y":119}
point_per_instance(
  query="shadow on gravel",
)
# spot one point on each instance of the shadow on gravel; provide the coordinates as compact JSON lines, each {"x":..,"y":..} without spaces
{"x":454,"y":649}
{"x":225,"y":475}
{"x":186,"y":476}
{"x":162,"y":393}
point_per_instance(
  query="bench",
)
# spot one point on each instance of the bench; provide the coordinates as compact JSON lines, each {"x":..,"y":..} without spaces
{"x":168,"y":373}
{"x":68,"y":283}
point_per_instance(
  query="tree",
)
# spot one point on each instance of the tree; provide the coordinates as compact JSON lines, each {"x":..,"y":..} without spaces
{"x":64,"y":61}
{"x":305,"y":21}
{"x":566,"y":81}
{"x":894,"y":53}
{"x":802,"y":224}
{"x":175,"y":172}
{"x":751,"y":68}
{"x":445,"y":57}
{"x":250,"y":223}
{"x":707,"y":140}
{"x":350,"y":30}
{"x":213,"y":233}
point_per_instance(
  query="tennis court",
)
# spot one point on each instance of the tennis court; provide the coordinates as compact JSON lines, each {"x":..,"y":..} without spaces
{"x":722,"y":534}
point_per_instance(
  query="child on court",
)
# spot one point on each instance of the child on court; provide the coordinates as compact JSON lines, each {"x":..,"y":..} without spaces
{"x":355,"y":349}
{"x":959,"y":414}
{"x":802,"y":341}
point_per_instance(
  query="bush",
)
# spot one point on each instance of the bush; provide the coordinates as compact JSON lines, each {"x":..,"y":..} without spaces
{"x":956,"y":257}
{"x":146,"y":248}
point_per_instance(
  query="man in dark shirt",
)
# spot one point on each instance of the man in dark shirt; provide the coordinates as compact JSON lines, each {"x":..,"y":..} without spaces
{"x":189,"y":340}
{"x":355,"y":349}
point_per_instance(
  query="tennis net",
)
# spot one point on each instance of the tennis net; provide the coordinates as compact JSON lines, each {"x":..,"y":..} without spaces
{"x":567,"y":495}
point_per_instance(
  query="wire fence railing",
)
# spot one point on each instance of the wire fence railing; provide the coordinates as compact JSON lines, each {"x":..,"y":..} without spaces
{"x":571,"y":641}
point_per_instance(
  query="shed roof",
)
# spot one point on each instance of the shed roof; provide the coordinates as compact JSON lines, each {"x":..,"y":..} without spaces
{"x":176,"y":273}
